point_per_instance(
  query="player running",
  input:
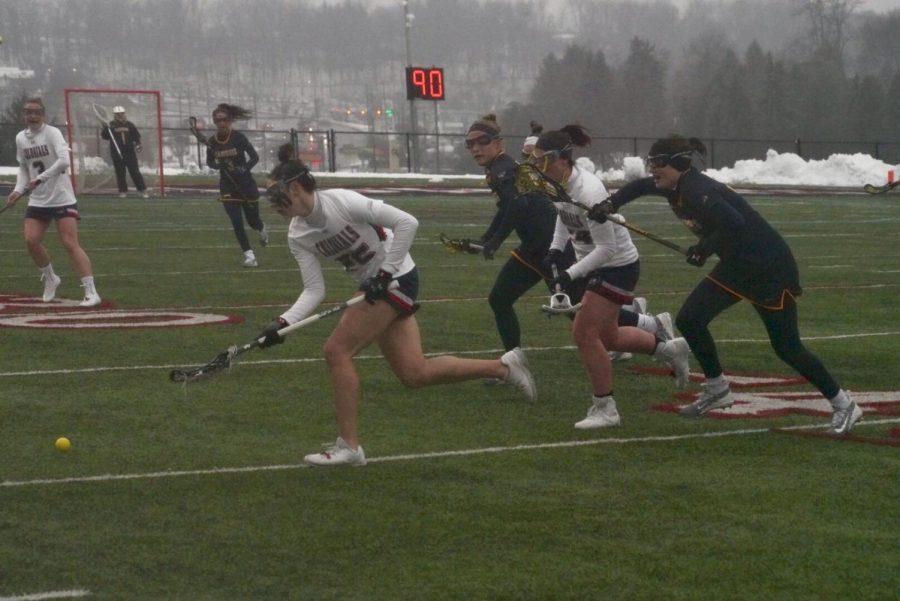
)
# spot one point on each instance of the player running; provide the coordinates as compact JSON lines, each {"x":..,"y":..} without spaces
{"x":371,"y":240}
{"x":533,"y":218}
{"x":608,"y":265}
{"x":43,"y":156}
{"x":233,"y":155}
{"x":755,"y":264}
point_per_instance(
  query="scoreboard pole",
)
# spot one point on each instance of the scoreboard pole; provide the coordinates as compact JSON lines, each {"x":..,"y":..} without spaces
{"x":407,"y":23}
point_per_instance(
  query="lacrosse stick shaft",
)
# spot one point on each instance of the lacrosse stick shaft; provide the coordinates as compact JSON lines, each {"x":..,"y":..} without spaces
{"x":313,"y":318}
{"x":638,"y":230}
{"x":103,"y":117}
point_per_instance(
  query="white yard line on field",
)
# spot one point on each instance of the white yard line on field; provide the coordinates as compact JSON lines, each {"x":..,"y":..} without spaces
{"x":419,"y":456}
{"x":491,"y":351}
{"x":48,"y":595}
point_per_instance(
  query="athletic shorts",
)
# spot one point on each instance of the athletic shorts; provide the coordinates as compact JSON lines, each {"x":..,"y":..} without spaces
{"x":403,"y":297}
{"x":47,"y":214}
{"x":616,"y":284}
{"x":763,"y":285}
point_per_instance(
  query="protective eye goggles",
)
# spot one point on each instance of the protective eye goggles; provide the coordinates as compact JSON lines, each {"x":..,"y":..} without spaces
{"x":277,"y":192}
{"x":661,"y":160}
{"x":543,"y":161}
{"x":480,"y":141}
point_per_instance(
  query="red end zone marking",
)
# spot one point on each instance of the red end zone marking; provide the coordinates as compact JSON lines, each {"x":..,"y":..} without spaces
{"x":774,"y":404}
{"x":738,"y":381}
{"x":117,"y":319}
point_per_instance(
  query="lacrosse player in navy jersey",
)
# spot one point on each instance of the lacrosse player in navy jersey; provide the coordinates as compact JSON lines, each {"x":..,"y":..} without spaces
{"x":233,"y":155}
{"x":371,"y":240}
{"x":755,"y":264}
{"x":43,"y":156}
{"x":608,"y":266}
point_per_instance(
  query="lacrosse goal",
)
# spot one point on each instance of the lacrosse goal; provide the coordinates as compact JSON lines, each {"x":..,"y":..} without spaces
{"x":92,"y":166}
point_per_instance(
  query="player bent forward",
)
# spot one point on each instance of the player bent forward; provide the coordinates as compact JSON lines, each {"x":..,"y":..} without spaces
{"x":371,"y":240}
{"x":43,"y":156}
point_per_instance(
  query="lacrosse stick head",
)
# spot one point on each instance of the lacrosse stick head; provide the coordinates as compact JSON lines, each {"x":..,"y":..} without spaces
{"x":220,"y":363}
{"x":100,"y":112}
{"x":560,"y":304}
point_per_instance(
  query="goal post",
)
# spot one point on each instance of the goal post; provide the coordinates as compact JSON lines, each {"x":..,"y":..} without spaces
{"x":92,"y":165}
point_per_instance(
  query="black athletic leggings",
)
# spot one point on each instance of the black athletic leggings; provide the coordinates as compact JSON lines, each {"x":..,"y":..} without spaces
{"x":251,"y":210}
{"x":514,"y":280}
{"x":708,"y":300}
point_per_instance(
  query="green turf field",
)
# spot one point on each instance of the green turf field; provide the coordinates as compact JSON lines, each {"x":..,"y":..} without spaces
{"x":151,"y":502}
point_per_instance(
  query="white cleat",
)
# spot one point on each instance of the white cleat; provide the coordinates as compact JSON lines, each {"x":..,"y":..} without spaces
{"x":519,"y":375}
{"x":250,"y":259}
{"x":601,"y":414}
{"x":338,"y":453}
{"x":91,"y":299}
{"x":51,"y":283}
{"x":676,"y":354}
{"x":664,"y":329}
{"x":620,"y":356}
{"x":706,"y":402}
{"x":842,"y":420}
{"x":122,"y":195}
{"x":145,"y":195}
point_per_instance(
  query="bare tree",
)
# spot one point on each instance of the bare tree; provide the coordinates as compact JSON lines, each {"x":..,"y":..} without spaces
{"x":828,"y":24}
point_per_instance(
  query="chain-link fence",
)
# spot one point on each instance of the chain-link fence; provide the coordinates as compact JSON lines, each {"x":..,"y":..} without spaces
{"x":404,"y":152}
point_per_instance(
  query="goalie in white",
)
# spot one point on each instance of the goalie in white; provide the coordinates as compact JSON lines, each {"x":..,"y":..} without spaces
{"x":371,"y":240}
{"x":43,"y":156}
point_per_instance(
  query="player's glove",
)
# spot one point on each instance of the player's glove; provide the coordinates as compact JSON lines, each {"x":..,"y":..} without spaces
{"x":554,"y":257}
{"x":696,"y":256}
{"x":601,"y":211}
{"x":488,"y":249}
{"x":562,"y":281}
{"x":376,"y":287}
{"x":269,"y":336}
{"x":138,"y":148}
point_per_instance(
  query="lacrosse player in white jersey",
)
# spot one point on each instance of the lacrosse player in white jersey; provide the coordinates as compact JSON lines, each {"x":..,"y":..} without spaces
{"x":608,"y":260}
{"x":371,"y":240}
{"x":43,"y":156}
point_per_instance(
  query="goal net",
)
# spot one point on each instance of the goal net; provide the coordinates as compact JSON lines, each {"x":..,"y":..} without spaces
{"x":92,"y":165}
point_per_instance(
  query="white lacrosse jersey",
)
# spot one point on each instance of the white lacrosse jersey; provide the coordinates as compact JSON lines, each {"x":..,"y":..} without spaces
{"x":362,"y":234}
{"x":44,"y":155}
{"x":596,"y":244}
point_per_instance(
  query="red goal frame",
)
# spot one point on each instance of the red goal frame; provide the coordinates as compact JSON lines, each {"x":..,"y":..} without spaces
{"x":69,"y":134}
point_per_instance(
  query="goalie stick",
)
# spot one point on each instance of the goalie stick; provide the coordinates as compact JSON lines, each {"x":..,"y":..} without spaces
{"x":872,"y":189}
{"x":103,"y":116}
{"x":192,"y":123}
{"x":224,"y":360}
{"x":531,"y":179}
{"x":461,"y":245}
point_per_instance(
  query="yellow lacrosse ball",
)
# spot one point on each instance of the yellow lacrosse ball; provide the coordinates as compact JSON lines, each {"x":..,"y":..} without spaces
{"x":63,"y":444}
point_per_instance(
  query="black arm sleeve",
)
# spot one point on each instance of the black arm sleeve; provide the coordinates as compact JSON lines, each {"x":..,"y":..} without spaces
{"x":722,"y":219}
{"x":510,"y":213}
{"x":639,"y":187}
{"x":252,"y":157}
{"x":211,"y":159}
{"x":104,"y":132}
{"x":495,"y":222}
{"x":135,"y":134}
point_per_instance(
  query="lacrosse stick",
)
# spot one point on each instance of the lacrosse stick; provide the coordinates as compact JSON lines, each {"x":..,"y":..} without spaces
{"x":192,"y":123}
{"x":224,"y":360}
{"x":871,"y":189}
{"x":461,"y":245}
{"x":103,"y":116}
{"x":529,"y":179}
{"x":23,"y":195}
{"x":560,"y":303}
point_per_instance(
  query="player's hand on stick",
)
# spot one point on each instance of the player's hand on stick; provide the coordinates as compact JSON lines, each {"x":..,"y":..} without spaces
{"x":695,"y":256}
{"x":601,"y":211}
{"x":269,"y":336}
{"x":553,"y":259}
{"x":376,"y":287}
{"x":488,"y":250}
{"x":138,"y":148}
{"x":561,"y":281}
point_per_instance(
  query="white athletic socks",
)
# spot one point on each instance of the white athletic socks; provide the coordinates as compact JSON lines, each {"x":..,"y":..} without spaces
{"x":87,"y":282}
{"x":48,"y":270}
{"x":841,"y":400}
{"x":717,"y":384}
{"x":647,"y":323}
